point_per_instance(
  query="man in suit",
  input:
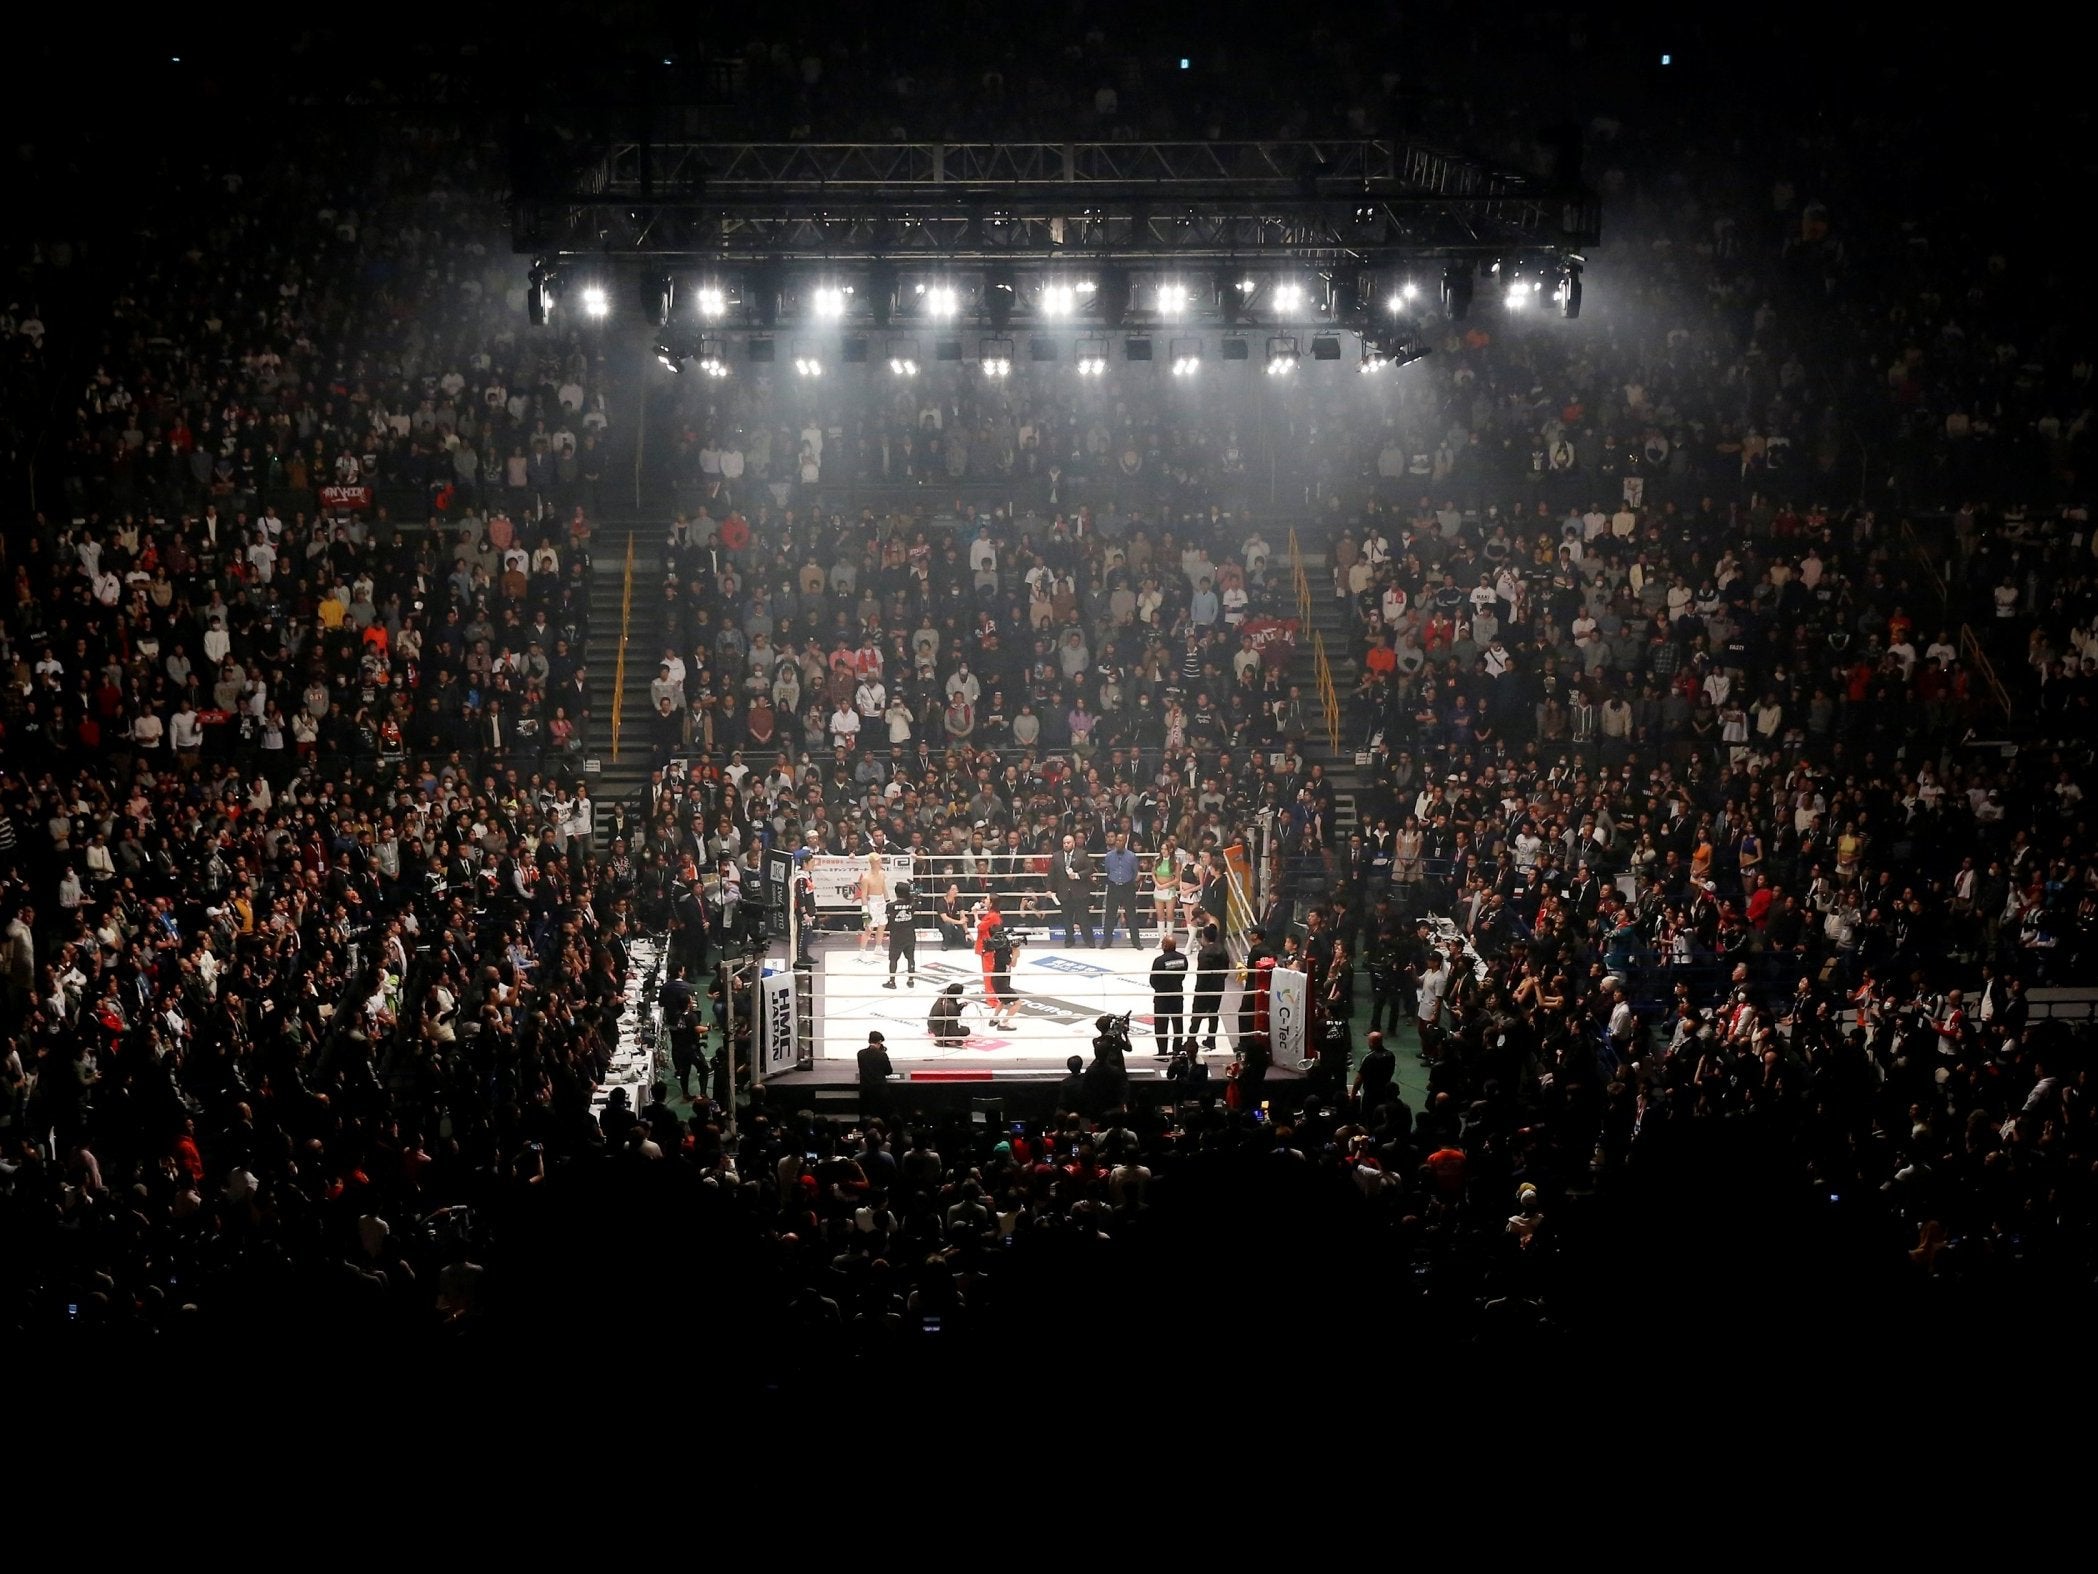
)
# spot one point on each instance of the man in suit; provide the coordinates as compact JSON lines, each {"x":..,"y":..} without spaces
{"x":1122,"y":871}
{"x":875,"y":1071}
{"x":1071,"y":878}
{"x":1169,"y":995}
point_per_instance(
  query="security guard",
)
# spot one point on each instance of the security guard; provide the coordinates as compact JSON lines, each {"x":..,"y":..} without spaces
{"x":1169,"y":995}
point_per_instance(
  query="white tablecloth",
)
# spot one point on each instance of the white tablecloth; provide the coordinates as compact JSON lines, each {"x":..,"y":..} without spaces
{"x":634,"y":1059}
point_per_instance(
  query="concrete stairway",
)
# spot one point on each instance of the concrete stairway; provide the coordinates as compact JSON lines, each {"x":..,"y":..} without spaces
{"x":618,"y":781}
{"x":1331,"y":619}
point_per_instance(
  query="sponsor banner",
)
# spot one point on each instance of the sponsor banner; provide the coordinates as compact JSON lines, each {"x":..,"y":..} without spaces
{"x":779,"y":882}
{"x":346,"y":497}
{"x":1288,"y":1008}
{"x":776,"y":1046}
{"x":837,"y":879}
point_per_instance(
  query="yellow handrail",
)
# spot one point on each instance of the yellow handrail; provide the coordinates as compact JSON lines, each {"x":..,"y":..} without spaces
{"x":1970,"y":647}
{"x":626,"y":610}
{"x":1970,"y":642}
{"x":1329,"y":698}
{"x":1302,"y":585}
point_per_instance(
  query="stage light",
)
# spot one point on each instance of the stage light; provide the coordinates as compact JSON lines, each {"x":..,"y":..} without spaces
{"x":903,"y":366}
{"x":995,"y":356}
{"x":1059,"y":300}
{"x":830,"y":301}
{"x":1172,"y":299}
{"x":1187,"y":357}
{"x":1092,"y":357}
{"x":596,"y":302}
{"x":1568,"y":293}
{"x":942,"y":301}
{"x":539,"y":293}
{"x":668,"y":356}
{"x":711,"y":299}
{"x":1289,"y":299}
{"x":713,"y":358}
{"x":1236,"y":349}
{"x":807,"y":366}
{"x":1282,"y":355}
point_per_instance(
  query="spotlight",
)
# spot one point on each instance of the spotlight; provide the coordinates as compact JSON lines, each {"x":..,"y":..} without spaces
{"x":596,"y":302}
{"x":713,"y":358}
{"x":1092,"y":357}
{"x":1383,"y":350}
{"x":1409,"y":290}
{"x":668,"y":356}
{"x":1059,"y":300}
{"x":1282,"y":355}
{"x":829,"y":301}
{"x":903,"y":358}
{"x":1187,"y":357}
{"x":807,"y":366}
{"x":995,"y":356}
{"x":1172,"y":299}
{"x":942,"y":301}
{"x":712,"y":300}
{"x":1288,"y":299}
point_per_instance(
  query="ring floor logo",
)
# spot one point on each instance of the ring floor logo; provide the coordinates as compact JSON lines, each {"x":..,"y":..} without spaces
{"x":1068,"y":964}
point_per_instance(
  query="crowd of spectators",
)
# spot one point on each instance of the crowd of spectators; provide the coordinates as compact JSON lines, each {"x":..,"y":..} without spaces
{"x":1023,"y":679}
{"x":313,"y":963}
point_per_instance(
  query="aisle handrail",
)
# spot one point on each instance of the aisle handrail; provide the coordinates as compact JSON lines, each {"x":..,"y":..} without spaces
{"x":1978,"y":658}
{"x":1329,"y":697}
{"x":1302,"y":585}
{"x":626,"y":612}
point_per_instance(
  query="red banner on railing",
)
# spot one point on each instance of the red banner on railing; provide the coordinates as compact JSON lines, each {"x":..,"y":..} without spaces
{"x":346,"y":497}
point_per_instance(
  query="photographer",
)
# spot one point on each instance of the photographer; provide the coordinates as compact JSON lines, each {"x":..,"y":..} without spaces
{"x":1107,"y":1078}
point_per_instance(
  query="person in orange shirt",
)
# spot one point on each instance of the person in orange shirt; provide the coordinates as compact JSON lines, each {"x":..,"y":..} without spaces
{"x":995,"y":945}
